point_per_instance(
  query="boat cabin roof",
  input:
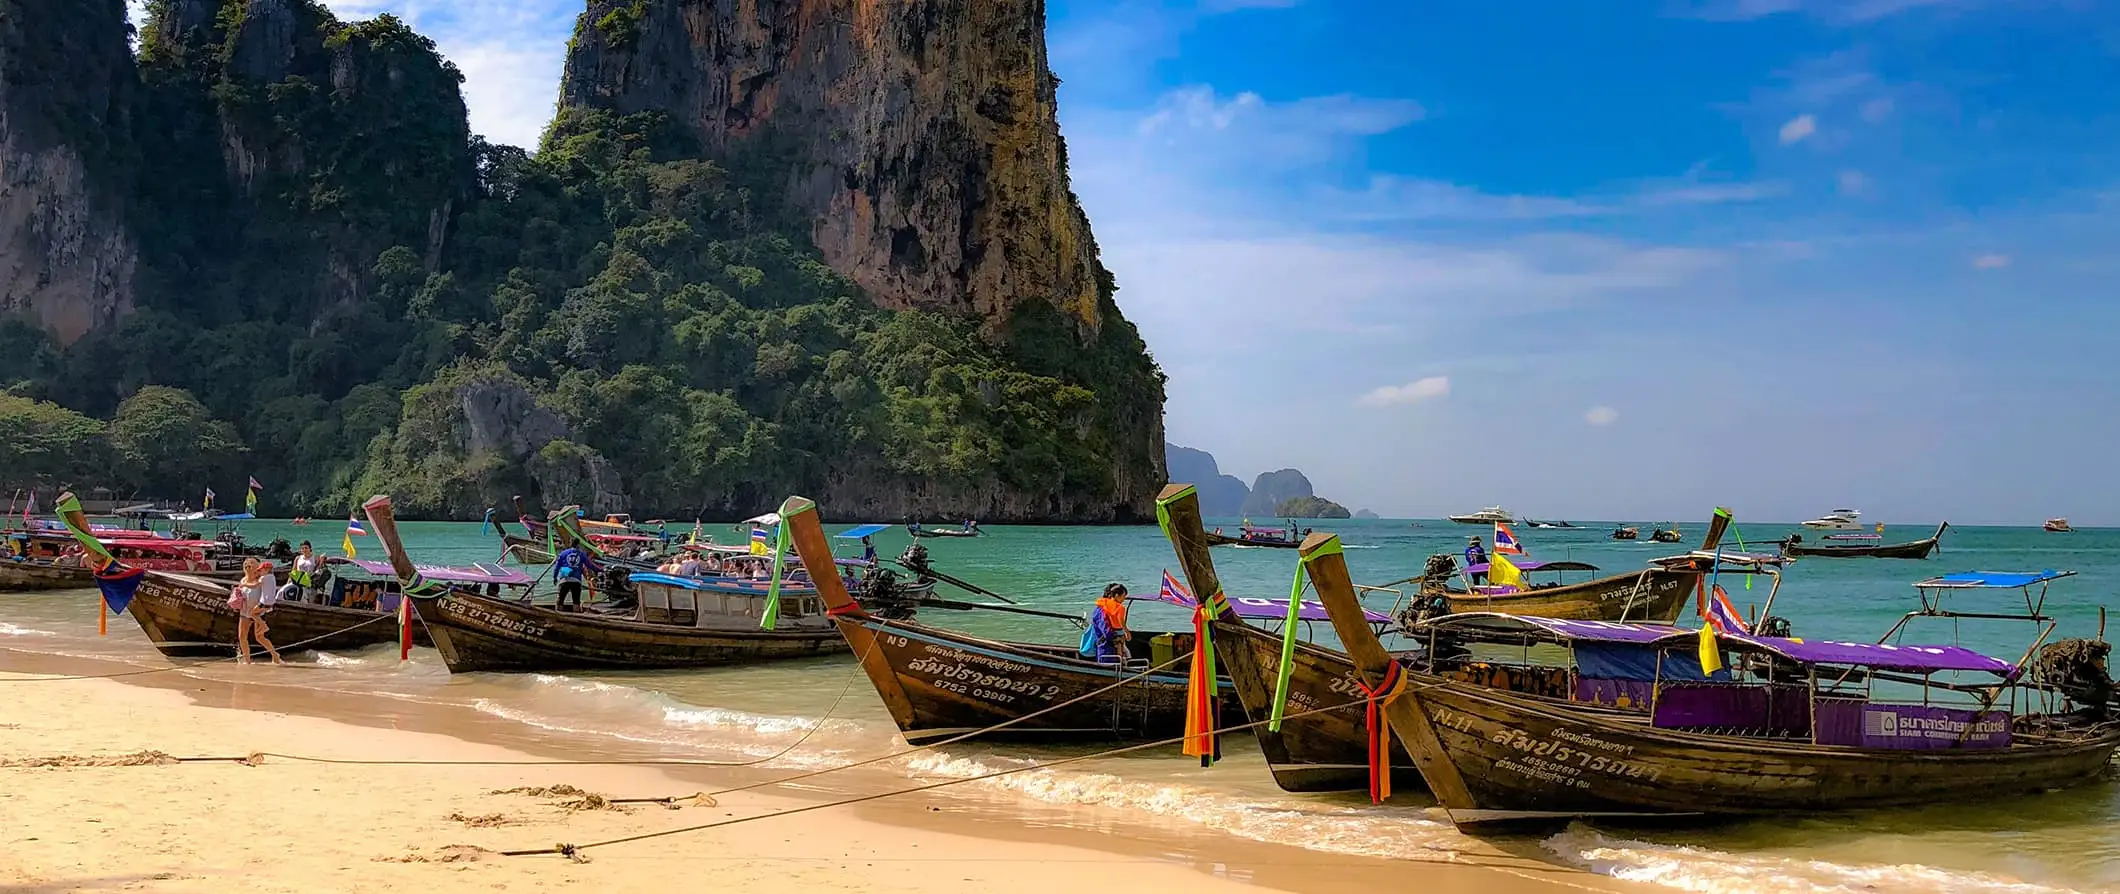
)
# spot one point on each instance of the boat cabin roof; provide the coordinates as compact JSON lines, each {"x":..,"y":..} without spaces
{"x":1916,"y":658}
{"x":1557,"y":565}
{"x":863,"y":531}
{"x":1997,"y":580}
{"x":1262,"y":608}
{"x":1728,"y":560}
{"x":476,"y":574}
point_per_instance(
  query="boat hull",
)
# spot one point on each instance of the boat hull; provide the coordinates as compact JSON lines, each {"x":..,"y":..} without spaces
{"x":188,"y":617}
{"x":478,"y":633}
{"x":1525,"y":761}
{"x":940,"y":684}
{"x":27,"y":576}
{"x":1652,"y":595}
{"x":1919,"y":549}
{"x":1313,"y":752}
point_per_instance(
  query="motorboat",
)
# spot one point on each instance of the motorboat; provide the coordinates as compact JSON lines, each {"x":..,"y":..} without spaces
{"x":1836,"y":520}
{"x":2058,"y":525}
{"x":1488,"y":516}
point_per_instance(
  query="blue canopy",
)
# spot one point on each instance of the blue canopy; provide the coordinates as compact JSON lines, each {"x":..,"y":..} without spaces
{"x":863,"y":531}
{"x":240,"y":516}
{"x":2004,"y":580}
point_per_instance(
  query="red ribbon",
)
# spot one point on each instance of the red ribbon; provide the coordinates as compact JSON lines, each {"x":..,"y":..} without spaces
{"x":841,"y":611}
{"x":1379,"y":732}
{"x":1200,"y":719}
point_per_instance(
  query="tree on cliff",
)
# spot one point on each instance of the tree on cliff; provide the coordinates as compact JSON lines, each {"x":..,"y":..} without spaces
{"x":44,"y":444}
{"x":169,"y":444}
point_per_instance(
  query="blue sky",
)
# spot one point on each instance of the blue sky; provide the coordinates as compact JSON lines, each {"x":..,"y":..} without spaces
{"x":1588,"y":259}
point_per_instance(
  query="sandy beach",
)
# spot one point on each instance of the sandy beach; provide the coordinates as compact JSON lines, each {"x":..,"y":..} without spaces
{"x":290,"y":825}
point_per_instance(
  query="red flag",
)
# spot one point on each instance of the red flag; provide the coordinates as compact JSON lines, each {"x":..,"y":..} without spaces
{"x":404,"y":627}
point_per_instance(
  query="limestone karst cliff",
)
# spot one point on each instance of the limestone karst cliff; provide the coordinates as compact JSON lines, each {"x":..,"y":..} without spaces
{"x":67,"y":260}
{"x":825,"y":247}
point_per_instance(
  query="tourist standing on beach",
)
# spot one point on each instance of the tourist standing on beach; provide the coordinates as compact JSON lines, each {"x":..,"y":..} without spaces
{"x":256,"y":595}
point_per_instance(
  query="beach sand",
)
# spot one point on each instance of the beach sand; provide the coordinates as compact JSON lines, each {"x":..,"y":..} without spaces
{"x":293,"y":826}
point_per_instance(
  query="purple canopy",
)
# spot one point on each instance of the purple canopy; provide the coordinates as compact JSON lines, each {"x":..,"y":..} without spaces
{"x":476,"y":574}
{"x":1918,"y":658}
{"x":1255,"y":607}
{"x":1559,"y":628}
{"x":1557,"y":565}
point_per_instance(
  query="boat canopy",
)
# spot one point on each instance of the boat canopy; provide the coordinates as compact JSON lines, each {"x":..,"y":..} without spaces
{"x":864,"y":531}
{"x":1920,"y":659}
{"x":1998,"y":580}
{"x":1557,"y":565}
{"x":475,"y":574}
{"x":1261,"y":608}
{"x":1728,"y":560}
{"x":240,"y":516}
{"x":769,"y":519}
{"x":1563,"y":629}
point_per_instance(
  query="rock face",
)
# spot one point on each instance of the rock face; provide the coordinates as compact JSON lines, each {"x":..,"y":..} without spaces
{"x":1220,"y":495}
{"x":1311,"y":507}
{"x":1365,"y":514}
{"x":1271,"y":489}
{"x":919,"y":138}
{"x":66,"y":85}
{"x":476,"y":436}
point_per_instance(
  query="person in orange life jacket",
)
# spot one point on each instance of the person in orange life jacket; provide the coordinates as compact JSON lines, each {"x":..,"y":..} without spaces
{"x":1105,"y":640}
{"x":1475,"y":555}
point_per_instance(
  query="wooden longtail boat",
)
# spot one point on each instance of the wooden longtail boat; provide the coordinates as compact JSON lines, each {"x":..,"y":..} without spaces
{"x":1252,"y":537}
{"x":1654,"y":594}
{"x":1494,"y":757}
{"x":1913,"y":549}
{"x":186,"y":615}
{"x":1629,"y":533}
{"x":940,"y":684}
{"x":24,"y":575}
{"x":674,"y":622}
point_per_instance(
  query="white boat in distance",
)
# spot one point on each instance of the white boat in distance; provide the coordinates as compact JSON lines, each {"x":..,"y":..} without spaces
{"x":1836,"y":520}
{"x":1488,"y":516}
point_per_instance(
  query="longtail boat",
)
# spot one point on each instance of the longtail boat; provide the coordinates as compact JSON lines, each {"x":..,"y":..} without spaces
{"x":1327,"y":750}
{"x":1249,"y":535}
{"x":1654,"y":594}
{"x":1777,"y":726}
{"x":671,"y":622}
{"x":940,"y":683}
{"x":187,"y":615}
{"x":1847,"y":546}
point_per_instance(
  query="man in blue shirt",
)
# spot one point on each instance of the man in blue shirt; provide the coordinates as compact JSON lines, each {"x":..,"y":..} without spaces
{"x":571,"y":568}
{"x":1475,"y":555}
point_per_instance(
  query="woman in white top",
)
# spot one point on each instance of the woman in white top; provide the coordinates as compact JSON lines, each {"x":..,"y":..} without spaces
{"x":258,"y":594}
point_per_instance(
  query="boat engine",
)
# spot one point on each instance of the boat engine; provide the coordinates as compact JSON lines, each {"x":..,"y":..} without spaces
{"x":881,"y":595}
{"x":1433,"y":598}
{"x":2077,"y":667}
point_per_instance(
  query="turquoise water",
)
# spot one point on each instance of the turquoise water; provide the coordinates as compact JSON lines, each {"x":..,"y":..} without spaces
{"x":2064,"y":842}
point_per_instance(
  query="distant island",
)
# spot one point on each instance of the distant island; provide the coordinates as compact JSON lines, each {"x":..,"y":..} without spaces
{"x":1311,"y":507}
{"x":1365,"y":513}
{"x":1225,"y":496}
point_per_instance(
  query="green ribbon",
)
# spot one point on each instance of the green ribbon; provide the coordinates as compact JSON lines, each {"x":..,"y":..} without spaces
{"x":780,"y":553}
{"x":1330,"y":547}
{"x":1740,"y":535}
{"x":69,"y":507}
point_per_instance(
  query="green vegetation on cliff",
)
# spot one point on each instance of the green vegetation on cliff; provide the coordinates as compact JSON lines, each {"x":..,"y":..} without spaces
{"x":344,"y":292}
{"x":1311,"y":507}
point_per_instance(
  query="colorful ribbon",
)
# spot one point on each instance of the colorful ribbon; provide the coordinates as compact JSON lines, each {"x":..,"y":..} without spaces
{"x":1202,"y":688}
{"x":1378,"y":732}
{"x":1331,"y":547}
{"x":780,"y":556}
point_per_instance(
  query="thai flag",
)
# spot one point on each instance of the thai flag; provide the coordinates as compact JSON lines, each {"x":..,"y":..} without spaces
{"x":1505,"y":542}
{"x":761,"y":541}
{"x":1722,"y":614}
{"x":1175,"y":593}
{"x":30,"y":509}
{"x":354,"y":526}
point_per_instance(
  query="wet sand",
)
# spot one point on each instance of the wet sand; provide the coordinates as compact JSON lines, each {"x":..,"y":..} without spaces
{"x":287,"y":825}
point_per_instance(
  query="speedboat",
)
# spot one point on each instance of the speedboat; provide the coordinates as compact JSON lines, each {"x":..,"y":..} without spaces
{"x":2058,"y":525}
{"x":1836,"y":520}
{"x":1488,"y":516}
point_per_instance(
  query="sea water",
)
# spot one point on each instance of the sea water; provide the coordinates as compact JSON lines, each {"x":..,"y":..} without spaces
{"x":820,"y":713}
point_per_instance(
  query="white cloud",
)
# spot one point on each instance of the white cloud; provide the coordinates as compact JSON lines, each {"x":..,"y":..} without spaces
{"x":1200,"y":107}
{"x":1798,"y":127}
{"x":1876,"y":110}
{"x":1841,"y":12}
{"x":1992,"y":262}
{"x":1601,"y":416}
{"x":1392,"y":197}
{"x":1853,"y":182}
{"x":1410,"y":393}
